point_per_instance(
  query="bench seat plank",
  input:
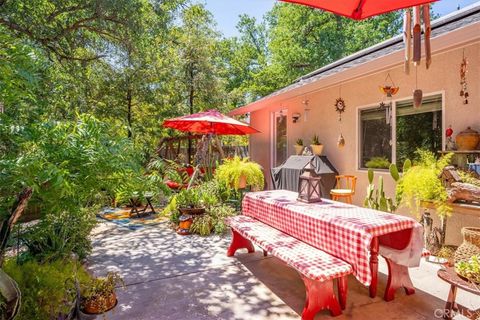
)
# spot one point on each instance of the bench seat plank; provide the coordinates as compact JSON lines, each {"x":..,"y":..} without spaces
{"x":311,"y":262}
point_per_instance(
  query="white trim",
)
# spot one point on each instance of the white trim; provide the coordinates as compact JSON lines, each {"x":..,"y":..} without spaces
{"x":394,"y":127}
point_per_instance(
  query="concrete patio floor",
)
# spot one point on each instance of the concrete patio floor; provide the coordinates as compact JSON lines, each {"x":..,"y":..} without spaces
{"x":173,"y":277}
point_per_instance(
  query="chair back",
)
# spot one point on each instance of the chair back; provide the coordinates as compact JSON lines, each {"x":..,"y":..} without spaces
{"x":346,"y":182}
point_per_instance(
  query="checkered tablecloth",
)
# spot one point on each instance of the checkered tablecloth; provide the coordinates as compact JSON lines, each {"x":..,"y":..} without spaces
{"x":343,"y":230}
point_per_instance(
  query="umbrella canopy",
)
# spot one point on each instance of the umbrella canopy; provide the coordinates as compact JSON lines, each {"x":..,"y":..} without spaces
{"x":360,"y":9}
{"x":210,"y":121}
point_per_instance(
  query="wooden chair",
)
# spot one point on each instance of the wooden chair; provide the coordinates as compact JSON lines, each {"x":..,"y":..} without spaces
{"x":344,"y":190}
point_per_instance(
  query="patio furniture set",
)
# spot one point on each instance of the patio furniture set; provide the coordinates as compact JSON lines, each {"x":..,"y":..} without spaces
{"x":326,"y":241}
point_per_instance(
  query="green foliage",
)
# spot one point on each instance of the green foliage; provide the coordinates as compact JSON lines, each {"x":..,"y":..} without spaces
{"x":376,"y":198}
{"x":231,"y":170}
{"x":422,"y":183}
{"x":213,"y":220}
{"x":48,"y":290}
{"x":58,"y":235}
{"x":299,"y":142}
{"x":202,"y":225}
{"x":469,"y":177}
{"x":470,"y":269}
{"x":377,"y":163}
{"x":316,"y":140}
{"x":97,"y":291}
{"x":206,"y":195}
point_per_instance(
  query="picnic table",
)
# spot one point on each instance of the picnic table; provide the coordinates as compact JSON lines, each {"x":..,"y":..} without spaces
{"x":354,"y":234}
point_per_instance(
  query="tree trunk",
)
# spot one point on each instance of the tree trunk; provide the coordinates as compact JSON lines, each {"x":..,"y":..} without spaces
{"x":129,"y":112}
{"x":190,"y":104}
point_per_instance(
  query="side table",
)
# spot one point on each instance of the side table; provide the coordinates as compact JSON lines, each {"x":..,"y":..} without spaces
{"x":451,"y":308}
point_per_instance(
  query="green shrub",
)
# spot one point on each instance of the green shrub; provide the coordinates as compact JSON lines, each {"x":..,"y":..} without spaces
{"x":231,"y":170}
{"x":58,"y":235}
{"x":422,"y":183}
{"x":47,"y":289}
{"x":378,"y":163}
{"x":219,"y":213}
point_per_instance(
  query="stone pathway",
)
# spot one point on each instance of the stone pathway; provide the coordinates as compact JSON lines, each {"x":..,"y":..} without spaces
{"x":173,"y":277}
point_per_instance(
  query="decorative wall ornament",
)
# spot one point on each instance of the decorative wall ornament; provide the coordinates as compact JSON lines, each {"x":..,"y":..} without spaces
{"x":463,"y":79}
{"x":417,"y":93}
{"x":450,"y":144}
{"x":306,"y":109}
{"x":340,"y":104}
{"x":340,"y":108}
{"x":389,"y":89}
{"x":341,"y":141}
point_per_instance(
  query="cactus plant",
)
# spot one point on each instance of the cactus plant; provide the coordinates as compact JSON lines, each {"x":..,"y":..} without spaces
{"x":376,"y":198}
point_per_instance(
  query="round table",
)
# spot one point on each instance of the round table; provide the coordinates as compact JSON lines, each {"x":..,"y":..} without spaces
{"x":450,"y":276}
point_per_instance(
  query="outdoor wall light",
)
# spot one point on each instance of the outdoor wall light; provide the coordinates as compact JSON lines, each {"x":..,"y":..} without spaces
{"x":295,"y":117}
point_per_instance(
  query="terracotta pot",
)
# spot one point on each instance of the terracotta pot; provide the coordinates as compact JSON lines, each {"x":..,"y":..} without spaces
{"x":317,"y":149}
{"x":242,"y":182}
{"x":94,"y":307}
{"x":467,"y":139}
{"x":470,"y":245}
{"x":298,"y":149}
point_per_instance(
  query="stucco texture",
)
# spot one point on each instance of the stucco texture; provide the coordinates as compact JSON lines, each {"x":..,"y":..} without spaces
{"x":443,"y":77}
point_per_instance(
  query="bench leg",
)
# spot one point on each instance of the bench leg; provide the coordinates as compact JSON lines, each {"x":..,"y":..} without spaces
{"x":320,"y":296}
{"x":239,"y":242}
{"x":342,"y":284}
{"x":398,"y":277}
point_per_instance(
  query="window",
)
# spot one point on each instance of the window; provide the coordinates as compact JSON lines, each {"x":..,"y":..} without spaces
{"x":418,"y":127}
{"x":414,"y":128}
{"x":375,"y":139}
{"x":280,"y":136}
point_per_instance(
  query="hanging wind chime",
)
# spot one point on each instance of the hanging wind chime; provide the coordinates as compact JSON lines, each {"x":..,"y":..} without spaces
{"x":414,"y":36}
{"x":463,"y":79}
{"x":340,"y":108}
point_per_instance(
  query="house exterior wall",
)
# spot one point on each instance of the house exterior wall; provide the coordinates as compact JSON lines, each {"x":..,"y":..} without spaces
{"x":442,"y":77}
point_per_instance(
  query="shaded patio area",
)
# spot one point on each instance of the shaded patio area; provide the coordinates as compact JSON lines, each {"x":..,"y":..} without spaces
{"x":173,"y":277}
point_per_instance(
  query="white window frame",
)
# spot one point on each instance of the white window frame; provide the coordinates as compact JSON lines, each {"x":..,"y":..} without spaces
{"x":393,"y":127}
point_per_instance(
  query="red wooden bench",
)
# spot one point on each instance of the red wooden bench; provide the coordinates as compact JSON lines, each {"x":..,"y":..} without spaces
{"x":317,"y":268}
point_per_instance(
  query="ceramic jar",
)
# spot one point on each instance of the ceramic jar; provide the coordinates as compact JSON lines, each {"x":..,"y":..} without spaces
{"x":467,"y":139}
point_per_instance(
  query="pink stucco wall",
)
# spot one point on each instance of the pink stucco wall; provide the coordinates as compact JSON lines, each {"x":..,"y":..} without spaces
{"x":442,"y":77}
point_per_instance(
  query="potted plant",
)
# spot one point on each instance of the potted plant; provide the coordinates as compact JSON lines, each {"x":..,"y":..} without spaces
{"x":189,"y":202}
{"x":422,"y":187}
{"x":98,"y":295}
{"x":299,"y":147}
{"x":469,"y":270}
{"x":317,"y":147}
{"x":240,"y":173}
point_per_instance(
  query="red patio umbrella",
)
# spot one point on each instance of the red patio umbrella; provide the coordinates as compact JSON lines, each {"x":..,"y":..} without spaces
{"x":360,"y":9}
{"x":209,"y":122}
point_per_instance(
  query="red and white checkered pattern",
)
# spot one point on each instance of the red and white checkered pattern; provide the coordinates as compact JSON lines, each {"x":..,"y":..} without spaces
{"x":340,"y":229}
{"x":309,"y":261}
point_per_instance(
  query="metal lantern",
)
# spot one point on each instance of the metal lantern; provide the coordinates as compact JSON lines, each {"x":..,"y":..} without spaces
{"x":309,"y":186}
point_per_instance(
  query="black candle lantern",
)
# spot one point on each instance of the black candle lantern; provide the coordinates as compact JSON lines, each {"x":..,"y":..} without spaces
{"x":309,"y":186}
